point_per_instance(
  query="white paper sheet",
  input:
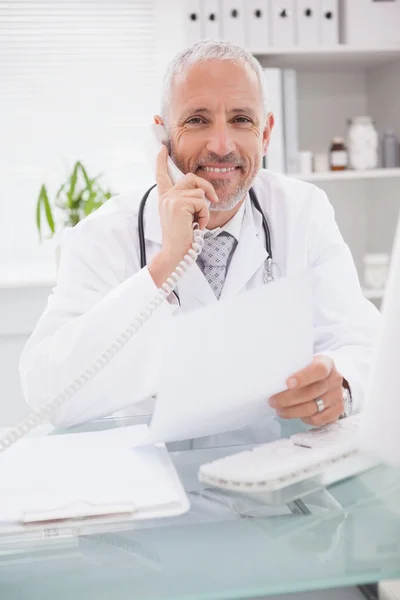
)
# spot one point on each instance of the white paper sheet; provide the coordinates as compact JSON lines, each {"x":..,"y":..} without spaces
{"x":219,"y":365}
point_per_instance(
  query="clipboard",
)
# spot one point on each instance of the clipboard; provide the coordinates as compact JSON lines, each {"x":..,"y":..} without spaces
{"x":94,"y":476}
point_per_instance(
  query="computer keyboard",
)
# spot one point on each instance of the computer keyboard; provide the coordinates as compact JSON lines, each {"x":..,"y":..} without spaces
{"x":284,"y":462}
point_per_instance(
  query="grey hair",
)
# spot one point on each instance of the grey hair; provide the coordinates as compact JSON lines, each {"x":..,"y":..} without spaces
{"x":208,"y":49}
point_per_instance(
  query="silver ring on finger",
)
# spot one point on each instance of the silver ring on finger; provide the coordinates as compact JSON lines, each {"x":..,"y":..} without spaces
{"x":320,"y":405}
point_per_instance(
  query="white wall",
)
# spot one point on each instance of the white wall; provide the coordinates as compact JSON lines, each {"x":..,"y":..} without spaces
{"x":78,"y":84}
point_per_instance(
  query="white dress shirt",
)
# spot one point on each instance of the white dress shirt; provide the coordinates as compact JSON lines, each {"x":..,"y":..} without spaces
{"x":233,"y":226}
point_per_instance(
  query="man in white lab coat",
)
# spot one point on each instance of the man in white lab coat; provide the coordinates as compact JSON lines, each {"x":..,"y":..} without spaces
{"x":215,"y":113}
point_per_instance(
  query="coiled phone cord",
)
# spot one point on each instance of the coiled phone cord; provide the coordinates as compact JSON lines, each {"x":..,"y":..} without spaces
{"x":32,"y":420}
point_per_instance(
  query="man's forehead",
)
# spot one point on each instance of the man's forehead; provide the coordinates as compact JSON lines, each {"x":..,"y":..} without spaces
{"x":207,"y":81}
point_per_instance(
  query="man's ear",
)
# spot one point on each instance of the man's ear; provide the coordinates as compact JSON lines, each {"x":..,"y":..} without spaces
{"x":158,"y":120}
{"x":269,"y":125}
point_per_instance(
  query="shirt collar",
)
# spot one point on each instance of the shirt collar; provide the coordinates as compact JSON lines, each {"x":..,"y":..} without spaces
{"x":233,"y":226}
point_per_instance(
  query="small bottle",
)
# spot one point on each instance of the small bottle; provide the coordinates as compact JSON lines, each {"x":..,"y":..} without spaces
{"x":338,"y":158}
{"x":390,"y":150}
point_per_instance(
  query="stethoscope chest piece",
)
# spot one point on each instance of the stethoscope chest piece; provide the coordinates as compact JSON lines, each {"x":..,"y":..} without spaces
{"x":271,"y":271}
{"x":267,"y":274}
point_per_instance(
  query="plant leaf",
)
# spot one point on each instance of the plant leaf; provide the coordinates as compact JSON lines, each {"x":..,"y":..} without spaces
{"x":49,"y":214}
{"x":43,"y":201}
{"x":72,"y":201}
{"x":86,"y":177}
{"x":60,"y":190}
{"x":74,"y":178}
{"x":38,"y":212}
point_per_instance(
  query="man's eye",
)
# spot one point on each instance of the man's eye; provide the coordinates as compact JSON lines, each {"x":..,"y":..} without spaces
{"x":195,"y":121}
{"x":242,"y":120}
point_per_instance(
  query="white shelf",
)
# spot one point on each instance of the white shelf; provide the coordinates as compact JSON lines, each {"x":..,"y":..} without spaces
{"x":373,"y":294}
{"x":348,"y":175}
{"x":341,"y":55}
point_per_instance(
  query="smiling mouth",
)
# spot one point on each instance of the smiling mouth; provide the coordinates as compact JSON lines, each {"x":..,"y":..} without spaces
{"x":218,"y":169}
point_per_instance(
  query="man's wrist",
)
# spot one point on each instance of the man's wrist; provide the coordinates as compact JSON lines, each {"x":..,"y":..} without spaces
{"x":347,"y":400}
{"x":161,"y":267}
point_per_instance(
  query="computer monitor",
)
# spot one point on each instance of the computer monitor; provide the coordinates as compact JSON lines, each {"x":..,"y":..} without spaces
{"x":380,"y":424}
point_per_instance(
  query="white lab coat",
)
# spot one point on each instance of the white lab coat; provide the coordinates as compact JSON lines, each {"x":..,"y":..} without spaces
{"x":101,"y":288}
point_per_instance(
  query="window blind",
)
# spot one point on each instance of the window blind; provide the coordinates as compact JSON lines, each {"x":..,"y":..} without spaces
{"x":78,"y":81}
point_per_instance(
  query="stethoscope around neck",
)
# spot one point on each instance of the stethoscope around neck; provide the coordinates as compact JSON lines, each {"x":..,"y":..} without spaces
{"x":268,"y":263}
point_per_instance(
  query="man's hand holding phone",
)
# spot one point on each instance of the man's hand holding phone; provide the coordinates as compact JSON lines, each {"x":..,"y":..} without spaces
{"x":179,"y":205}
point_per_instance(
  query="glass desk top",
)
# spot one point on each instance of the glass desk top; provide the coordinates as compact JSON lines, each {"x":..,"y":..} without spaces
{"x":224,"y":548}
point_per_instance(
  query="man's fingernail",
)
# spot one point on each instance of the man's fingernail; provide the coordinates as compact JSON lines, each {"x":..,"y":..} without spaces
{"x":292,"y":382}
{"x":272,"y":403}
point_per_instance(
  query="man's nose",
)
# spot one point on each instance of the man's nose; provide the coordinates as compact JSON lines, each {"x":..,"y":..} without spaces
{"x":220,"y":141}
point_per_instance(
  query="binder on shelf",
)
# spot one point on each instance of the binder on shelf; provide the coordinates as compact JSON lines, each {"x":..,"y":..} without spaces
{"x":290,"y":120}
{"x":211,"y":19}
{"x":232,"y":19}
{"x":257,"y":24}
{"x":193,"y":21}
{"x":328,"y":22}
{"x":307,"y":22}
{"x":276,"y":151}
{"x":370,"y":21}
{"x":282,"y":23}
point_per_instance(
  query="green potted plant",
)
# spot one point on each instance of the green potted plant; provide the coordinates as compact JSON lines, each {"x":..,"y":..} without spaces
{"x":79,"y":196}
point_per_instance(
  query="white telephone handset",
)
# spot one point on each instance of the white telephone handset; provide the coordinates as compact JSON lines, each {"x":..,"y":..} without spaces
{"x":157,"y":137}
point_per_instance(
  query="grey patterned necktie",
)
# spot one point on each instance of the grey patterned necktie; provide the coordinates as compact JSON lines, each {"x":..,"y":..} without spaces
{"x":215,"y":258}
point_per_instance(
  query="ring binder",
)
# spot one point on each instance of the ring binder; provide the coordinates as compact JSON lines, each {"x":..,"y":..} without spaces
{"x":211,"y":16}
{"x":307,"y":23}
{"x":282,"y":18}
{"x":194,"y":21}
{"x":233,"y":21}
{"x":258,"y":23}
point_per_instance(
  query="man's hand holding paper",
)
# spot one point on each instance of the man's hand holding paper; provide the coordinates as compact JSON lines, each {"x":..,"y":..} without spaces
{"x":318,"y":381}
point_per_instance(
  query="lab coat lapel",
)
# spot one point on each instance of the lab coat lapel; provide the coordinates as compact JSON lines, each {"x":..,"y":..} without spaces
{"x":249,"y":255}
{"x":193,"y":284}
